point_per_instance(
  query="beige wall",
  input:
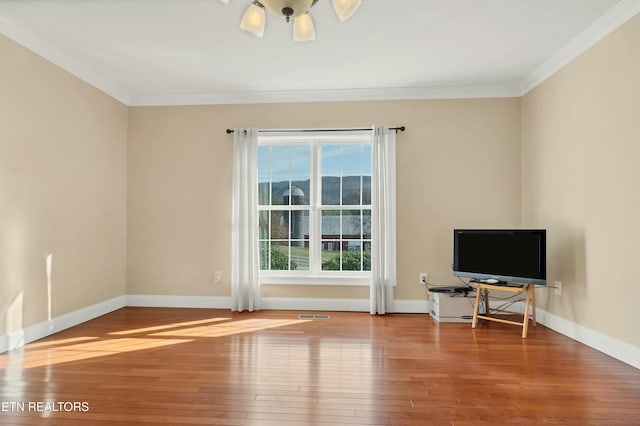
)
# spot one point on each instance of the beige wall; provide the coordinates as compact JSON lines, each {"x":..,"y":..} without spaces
{"x":581,"y":181}
{"x":565,"y":157}
{"x":458,"y":166}
{"x":62,"y":191}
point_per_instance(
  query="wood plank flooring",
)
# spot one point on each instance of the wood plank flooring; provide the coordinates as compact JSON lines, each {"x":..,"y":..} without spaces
{"x":203,"y":366}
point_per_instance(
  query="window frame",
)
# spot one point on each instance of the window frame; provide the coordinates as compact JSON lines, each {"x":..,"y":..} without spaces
{"x":315,"y":276}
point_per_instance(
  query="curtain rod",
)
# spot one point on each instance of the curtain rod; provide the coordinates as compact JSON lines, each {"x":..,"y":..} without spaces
{"x":397,"y":129}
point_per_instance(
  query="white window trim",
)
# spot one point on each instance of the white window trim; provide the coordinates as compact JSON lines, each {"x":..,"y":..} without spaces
{"x":316,"y":277}
{"x":359,"y":278}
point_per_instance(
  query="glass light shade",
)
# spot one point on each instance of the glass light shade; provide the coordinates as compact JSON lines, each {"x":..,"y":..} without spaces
{"x":300,"y":7}
{"x":345,"y":8}
{"x":253,"y":20}
{"x":303,"y":29}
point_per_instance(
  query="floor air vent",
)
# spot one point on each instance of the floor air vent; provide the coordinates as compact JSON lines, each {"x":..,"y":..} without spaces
{"x":311,"y":316}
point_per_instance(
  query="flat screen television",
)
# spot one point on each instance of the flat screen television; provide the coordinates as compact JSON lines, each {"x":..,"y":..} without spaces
{"x":503,"y":255}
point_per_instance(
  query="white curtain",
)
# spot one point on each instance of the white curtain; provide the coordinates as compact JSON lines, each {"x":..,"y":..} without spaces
{"x":383,"y":197}
{"x":245,"y":267}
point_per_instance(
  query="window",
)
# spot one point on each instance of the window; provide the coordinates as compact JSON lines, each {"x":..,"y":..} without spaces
{"x":314,"y":209}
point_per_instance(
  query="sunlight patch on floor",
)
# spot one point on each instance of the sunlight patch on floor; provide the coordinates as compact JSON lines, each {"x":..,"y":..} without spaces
{"x":83,"y":351}
{"x":52,"y":352}
{"x":166,"y":326}
{"x":229,"y":328}
{"x":38,"y":345}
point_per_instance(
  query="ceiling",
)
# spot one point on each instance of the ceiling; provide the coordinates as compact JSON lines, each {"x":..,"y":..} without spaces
{"x":150,"y":52}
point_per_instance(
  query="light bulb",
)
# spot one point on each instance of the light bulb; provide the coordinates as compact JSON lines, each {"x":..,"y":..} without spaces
{"x":253,"y":20}
{"x":303,"y":29}
{"x":345,"y":8}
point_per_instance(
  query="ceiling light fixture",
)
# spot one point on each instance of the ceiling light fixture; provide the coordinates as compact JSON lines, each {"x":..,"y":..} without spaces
{"x":253,"y":20}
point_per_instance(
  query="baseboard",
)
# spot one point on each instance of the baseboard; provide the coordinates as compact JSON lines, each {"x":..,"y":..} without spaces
{"x":411,"y":306}
{"x":315,"y":304}
{"x":18,"y":338}
{"x":161,"y":301}
{"x":615,"y":348}
{"x":611,"y":346}
{"x":345,"y":305}
{"x":275,"y":303}
{"x":608,"y":345}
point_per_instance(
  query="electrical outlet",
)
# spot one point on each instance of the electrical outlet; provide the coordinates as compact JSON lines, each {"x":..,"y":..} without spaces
{"x":422,"y":279}
{"x":558,"y":288}
{"x":217,"y":276}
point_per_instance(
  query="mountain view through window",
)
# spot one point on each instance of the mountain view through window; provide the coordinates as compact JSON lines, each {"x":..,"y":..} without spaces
{"x":315,"y":206}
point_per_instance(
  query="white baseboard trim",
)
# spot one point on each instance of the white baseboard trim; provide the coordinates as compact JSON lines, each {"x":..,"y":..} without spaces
{"x":411,"y":306}
{"x":613,"y":347}
{"x":608,"y":345}
{"x":160,"y":301}
{"x":315,"y":304}
{"x":275,"y":303}
{"x":345,"y":305}
{"x":18,"y":338}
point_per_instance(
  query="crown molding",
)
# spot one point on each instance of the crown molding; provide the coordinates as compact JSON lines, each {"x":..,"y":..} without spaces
{"x":61,"y":59}
{"x":345,"y":95}
{"x":79,"y":69}
{"x":604,"y":26}
{"x":613,"y":19}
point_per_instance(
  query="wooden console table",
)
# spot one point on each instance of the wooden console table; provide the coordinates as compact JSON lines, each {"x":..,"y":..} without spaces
{"x":530,"y":300}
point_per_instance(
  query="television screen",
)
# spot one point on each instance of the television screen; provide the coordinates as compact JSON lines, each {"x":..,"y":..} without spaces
{"x":509,"y":255}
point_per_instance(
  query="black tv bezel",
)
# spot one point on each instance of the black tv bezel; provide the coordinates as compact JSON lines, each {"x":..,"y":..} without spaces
{"x":501,"y":278}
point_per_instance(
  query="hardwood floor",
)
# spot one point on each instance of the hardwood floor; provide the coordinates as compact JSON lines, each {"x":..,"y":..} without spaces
{"x":203,"y":366}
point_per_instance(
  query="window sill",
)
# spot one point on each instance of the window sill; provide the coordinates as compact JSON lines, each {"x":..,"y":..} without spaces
{"x":308,"y":279}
